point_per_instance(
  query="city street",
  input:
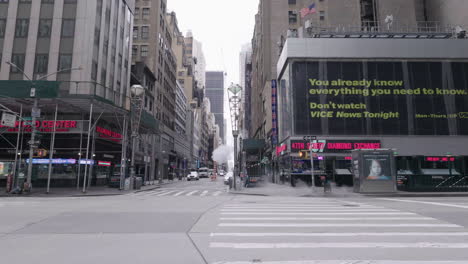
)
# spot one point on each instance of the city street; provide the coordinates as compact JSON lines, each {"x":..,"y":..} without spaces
{"x":200,"y":222}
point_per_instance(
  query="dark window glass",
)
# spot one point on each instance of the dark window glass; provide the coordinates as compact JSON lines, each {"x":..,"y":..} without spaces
{"x":69,"y":1}
{"x":18,"y":60}
{"x":291,"y":2}
{"x":144,"y":32}
{"x":145,"y":13}
{"x":2,"y":27}
{"x":41,"y":63}
{"x":94,"y":70}
{"x":68,"y":28}
{"x":65,"y":62}
{"x":135,"y":32}
{"x":48,"y":1}
{"x":45,"y":28}
{"x":22,"y":27}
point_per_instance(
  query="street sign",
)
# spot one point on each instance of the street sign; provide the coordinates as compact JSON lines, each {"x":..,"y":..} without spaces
{"x":8,"y":120}
{"x":36,"y":112}
{"x":309,"y":138}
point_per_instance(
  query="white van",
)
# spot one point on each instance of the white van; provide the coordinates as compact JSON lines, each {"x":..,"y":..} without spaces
{"x":203,"y":172}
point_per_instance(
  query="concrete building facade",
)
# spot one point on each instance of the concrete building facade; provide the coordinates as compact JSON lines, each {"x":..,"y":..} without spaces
{"x":77,"y":54}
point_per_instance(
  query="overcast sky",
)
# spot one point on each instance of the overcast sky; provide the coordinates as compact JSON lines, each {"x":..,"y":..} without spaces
{"x":222,"y":27}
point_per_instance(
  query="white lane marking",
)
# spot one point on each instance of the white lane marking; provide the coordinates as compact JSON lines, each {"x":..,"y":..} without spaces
{"x":410,"y":234}
{"x":377,"y":245}
{"x":424,"y":202}
{"x":309,"y":210}
{"x":330,"y":218}
{"x":331,"y":225}
{"x":286,"y":204}
{"x":300,"y":208}
{"x":343,"y":262}
{"x":217,"y":193}
{"x":204,"y":193}
{"x":166,"y":193}
{"x":191,"y":193}
{"x":152,"y":193}
{"x":322,"y":213}
{"x":179,"y":193}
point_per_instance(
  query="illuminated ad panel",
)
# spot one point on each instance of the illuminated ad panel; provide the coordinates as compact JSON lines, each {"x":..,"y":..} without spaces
{"x":380,"y":98}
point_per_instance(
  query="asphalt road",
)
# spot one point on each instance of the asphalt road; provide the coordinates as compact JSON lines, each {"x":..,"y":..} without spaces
{"x":200,"y":222}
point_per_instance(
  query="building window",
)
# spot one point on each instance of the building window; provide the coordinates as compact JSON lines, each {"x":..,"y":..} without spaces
{"x":145,"y":13}
{"x":68,"y":28}
{"x":144,"y":51}
{"x":25,"y":1}
{"x":65,"y":62}
{"x":41,"y":63}
{"x":135,"y":32}
{"x":48,"y":1}
{"x":22,"y":27}
{"x":134,"y":51}
{"x":2,"y":27}
{"x":292,"y":17}
{"x":45,"y":28}
{"x":136,"y":15}
{"x":322,"y":15}
{"x":144,"y":32}
{"x":18,"y":60}
{"x":292,"y":2}
{"x":94,"y":70}
{"x":69,"y":1}
{"x":4,"y":1}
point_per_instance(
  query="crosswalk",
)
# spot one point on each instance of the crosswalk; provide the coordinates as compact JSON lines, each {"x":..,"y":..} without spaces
{"x":178,"y":193}
{"x":328,"y":231}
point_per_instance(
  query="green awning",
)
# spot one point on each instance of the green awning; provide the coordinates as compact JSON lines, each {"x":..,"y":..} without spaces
{"x":22,"y":89}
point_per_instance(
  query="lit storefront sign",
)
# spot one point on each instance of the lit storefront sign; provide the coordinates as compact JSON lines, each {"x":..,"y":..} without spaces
{"x":280,"y":149}
{"x":108,"y":134}
{"x":104,"y":163}
{"x":334,"y":146}
{"x":86,"y":162}
{"x":274,"y":114}
{"x":47,"y":126}
{"x":54,"y":161}
{"x":442,"y":159}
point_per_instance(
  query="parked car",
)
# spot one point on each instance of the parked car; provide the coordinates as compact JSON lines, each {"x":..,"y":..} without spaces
{"x":203,"y":172}
{"x":193,"y":176}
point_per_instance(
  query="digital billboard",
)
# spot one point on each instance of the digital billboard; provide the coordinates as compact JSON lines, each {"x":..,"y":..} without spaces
{"x":380,"y":98}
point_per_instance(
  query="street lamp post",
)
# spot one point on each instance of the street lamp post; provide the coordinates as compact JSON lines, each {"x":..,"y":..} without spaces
{"x":35,"y":112}
{"x":137,"y":92}
{"x":234,"y":107}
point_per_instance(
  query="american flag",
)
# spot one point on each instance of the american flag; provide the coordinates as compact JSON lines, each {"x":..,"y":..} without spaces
{"x":308,"y":10}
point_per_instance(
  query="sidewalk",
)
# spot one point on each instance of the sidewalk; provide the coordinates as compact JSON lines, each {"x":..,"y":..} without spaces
{"x":272,"y":189}
{"x":74,"y":192}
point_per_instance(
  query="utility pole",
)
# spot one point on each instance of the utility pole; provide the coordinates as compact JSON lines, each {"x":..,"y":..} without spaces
{"x":234,"y":107}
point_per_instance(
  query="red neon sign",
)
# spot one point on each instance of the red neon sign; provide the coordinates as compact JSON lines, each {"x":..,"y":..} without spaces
{"x":44,"y":126}
{"x":442,"y":159}
{"x":281,"y":148}
{"x":108,"y":134}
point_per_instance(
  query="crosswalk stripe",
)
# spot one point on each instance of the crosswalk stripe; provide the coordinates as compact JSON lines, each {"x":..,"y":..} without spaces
{"x":322,"y":213}
{"x":390,"y":234}
{"x":431,"y":245}
{"x":191,"y":193}
{"x":295,"y":207}
{"x":217,"y":193}
{"x":329,"y":218}
{"x":179,"y":193}
{"x":165,"y":193}
{"x":311,"y":210}
{"x":344,"y":262}
{"x":332,"y":225}
{"x":425,"y":202}
{"x":204,"y":193}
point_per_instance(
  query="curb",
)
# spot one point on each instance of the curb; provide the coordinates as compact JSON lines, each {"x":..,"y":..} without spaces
{"x":252,"y":194}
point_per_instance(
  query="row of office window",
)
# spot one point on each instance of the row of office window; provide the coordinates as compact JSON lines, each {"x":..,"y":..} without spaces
{"x":143,"y":50}
{"x":44,"y":28}
{"x":41,"y":62}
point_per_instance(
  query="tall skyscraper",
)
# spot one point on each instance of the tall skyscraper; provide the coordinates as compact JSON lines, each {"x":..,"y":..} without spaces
{"x":215,"y":92}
